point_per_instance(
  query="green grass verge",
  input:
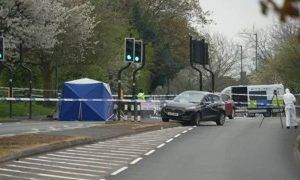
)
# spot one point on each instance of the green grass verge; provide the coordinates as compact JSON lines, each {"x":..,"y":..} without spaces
{"x":22,"y":109}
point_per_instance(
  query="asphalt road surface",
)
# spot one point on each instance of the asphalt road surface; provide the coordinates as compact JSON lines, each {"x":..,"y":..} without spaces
{"x":11,"y":129}
{"x":238,"y":151}
{"x":94,"y":161}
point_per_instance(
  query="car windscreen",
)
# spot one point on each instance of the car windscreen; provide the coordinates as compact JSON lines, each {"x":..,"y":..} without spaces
{"x":189,"y":97}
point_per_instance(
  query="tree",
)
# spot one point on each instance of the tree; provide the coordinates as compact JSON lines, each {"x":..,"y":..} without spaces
{"x":41,"y":26}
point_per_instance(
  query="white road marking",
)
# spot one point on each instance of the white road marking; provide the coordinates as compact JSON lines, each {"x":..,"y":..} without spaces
{"x":60,"y":167}
{"x":125,"y":145}
{"x":190,"y":129}
{"x":7,"y":135}
{"x":119,"y":171}
{"x":85,"y":158}
{"x":55,"y":176}
{"x":135,"y":161}
{"x":38,"y":174}
{"x":116,"y":147}
{"x":49,"y":170}
{"x":16,"y":177}
{"x":169,"y":140}
{"x":74,"y":164}
{"x":107,"y":150}
{"x":194,"y":126}
{"x":104,"y":153}
{"x":184,"y":132}
{"x":177,"y":135}
{"x":149,"y":153}
{"x":162,"y":145}
{"x":91,"y":162}
{"x":91,"y":155}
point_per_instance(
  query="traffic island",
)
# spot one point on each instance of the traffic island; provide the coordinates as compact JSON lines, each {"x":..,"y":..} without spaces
{"x":20,"y":146}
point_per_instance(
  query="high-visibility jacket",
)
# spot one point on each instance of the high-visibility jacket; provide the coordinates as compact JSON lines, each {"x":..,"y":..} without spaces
{"x":141,"y":96}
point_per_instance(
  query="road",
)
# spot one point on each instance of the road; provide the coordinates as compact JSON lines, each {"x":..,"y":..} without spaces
{"x":94,"y":161}
{"x":238,"y":151}
{"x":11,"y":129}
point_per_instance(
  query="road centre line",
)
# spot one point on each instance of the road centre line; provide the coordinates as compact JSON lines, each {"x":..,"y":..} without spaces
{"x":177,"y":135}
{"x":136,"y":161}
{"x":119,"y":171}
{"x":60,"y":167}
{"x":74,"y":164}
{"x":169,"y":140}
{"x":16,"y":177}
{"x":91,"y":162}
{"x":85,"y":158}
{"x":107,"y":150}
{"x":49,"y":170}
{"x":190,"y":129}
{"x":184,"y":132}
{"x":160,"y":146}
{"x":91,"y":155}
{"x":149,"y":153}
{"x":104,"y":153}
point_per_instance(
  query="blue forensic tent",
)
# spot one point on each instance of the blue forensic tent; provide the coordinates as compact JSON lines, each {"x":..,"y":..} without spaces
{"x":86,"y":110}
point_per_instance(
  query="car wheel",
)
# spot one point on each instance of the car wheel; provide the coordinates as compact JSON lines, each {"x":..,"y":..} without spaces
{"x":221,"y":120}
{"x":231,"y":116}
{"x":197,"y":119}
{"x":164,"y":119}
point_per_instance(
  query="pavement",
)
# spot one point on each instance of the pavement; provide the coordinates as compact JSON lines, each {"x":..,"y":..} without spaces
{"x":239,"y":150}
{"x":25,"y":127}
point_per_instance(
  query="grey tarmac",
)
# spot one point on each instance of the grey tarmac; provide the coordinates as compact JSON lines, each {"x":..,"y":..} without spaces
{"x":238,"y":151}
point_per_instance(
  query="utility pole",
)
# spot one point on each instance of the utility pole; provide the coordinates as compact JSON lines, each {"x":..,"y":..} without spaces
{"x":256,"y":52}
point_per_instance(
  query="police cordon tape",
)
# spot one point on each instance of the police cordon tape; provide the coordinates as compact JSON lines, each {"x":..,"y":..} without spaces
{"x":73,"y":100}
{"x":113,"y":100}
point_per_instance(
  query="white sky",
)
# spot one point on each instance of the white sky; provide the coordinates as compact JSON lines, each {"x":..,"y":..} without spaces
{"x":232,"y":16}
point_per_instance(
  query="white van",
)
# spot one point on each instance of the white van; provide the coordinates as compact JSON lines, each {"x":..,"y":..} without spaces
{"x":257,"y":99}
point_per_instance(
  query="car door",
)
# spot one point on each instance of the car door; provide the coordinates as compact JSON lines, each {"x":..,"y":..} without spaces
{"x":206,"y":109}
{"x":216,"y":107}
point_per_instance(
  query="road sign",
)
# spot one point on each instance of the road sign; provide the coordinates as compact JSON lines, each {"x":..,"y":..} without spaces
{"x":129,"y":49}
{"x":1,"y":48}
{"x":138,"y":51}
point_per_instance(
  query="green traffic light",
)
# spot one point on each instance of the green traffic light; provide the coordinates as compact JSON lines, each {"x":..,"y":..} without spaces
{"x":137,"y":59}
{"x":1,"y":56}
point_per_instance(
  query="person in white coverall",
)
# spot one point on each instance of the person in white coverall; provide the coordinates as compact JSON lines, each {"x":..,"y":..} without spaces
{"x":290,"y":109}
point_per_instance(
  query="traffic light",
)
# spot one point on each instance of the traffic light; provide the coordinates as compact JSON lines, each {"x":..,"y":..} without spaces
{"x":129,"y":49}
{"x":200,"y":52}
{"x":1,"y":48}
{"x":138,"y":51}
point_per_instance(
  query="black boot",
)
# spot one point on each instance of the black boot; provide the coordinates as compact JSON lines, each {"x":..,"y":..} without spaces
{"x":288,"y":127}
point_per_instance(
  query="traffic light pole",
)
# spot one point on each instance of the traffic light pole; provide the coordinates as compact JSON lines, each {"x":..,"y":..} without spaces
{"x":120,"y":88}
{"x":134,"y":96}
{"x":212,"y":78}
{"x":193,"y":66}
{"x":210,"y":71}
